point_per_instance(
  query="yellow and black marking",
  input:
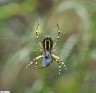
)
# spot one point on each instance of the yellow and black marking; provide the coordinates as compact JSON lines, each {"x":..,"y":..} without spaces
{"x":47,"y":43}
{"x":34,"y":60}
{"x":58,"y":33}
{"x":37,"y":35}
{"x":36,"y":31}
{"x":57,"y":36}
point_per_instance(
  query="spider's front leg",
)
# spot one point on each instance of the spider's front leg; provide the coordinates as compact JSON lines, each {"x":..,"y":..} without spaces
{"x":37,"y":32}
{"x":34,"y":60}
{"x":57,"y":36}
{"x":58,"y":60}
{"x":41,"y":47}
{"x":37,"y":36}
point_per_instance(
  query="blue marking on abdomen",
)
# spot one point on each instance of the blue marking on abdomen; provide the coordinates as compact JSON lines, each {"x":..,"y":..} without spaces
{"x":47,"y":59}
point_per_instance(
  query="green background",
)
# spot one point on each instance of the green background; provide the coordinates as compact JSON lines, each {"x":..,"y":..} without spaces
{"x":76,"y":46}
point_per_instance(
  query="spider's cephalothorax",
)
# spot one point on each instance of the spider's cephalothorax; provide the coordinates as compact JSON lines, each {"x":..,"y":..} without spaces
{"x":47,"y":43}
{"x":47,"y":49}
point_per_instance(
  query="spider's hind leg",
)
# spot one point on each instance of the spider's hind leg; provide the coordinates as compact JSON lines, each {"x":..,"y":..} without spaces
{"x":38,"y":67}
{"x":34,"y":60}
{"x":58,"y":60}
{"x":58,"y":65}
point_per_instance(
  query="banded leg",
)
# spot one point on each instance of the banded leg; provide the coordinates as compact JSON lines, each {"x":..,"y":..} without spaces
{"x":36,"y":64}
{"x":59,"y":68}
{"x":34,"y":60}
{"x":60,"y":60}
{"x":58,"y":65}
{"x":37,"y":32}
{"x":57,"y":35}
{"x":38,"y":67}
{"x":40,"y":49}
{"x":38,"y":37}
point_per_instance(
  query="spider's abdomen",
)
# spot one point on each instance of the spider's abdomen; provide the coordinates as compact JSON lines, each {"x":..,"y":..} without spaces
{"x":47,"y":43}
{"x":47,"y":59}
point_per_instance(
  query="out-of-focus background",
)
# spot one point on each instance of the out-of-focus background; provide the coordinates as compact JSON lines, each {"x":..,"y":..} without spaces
{"x":76,"y":46}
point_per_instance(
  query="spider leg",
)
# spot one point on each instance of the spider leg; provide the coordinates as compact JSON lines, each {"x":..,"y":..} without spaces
{"x":41,"y":47}
{"x":58,"y":60}
{"x":53,"y":50}
{"x":38,"y":67}
{"x":34,"y":60}
{"x":57,"y":35}
{"x":37,"y":32}
{"x":37,"y":36}
{"x":58,"y":65}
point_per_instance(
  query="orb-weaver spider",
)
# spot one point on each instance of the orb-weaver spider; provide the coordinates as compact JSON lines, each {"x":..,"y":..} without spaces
{"x":47,"y":49}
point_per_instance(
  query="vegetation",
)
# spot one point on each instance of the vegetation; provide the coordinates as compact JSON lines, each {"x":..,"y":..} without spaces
{"x":76,"y":46}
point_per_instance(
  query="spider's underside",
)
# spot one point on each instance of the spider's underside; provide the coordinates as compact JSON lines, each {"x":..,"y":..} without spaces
{"x":47,"y":49}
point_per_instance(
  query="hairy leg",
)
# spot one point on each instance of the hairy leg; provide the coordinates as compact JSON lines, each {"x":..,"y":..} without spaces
{"x":57,"y":36}
{"x":59,"y":60}
{"x":34,"y":60}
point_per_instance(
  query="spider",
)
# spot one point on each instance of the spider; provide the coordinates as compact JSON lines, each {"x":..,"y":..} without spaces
{"x":47,"y":49}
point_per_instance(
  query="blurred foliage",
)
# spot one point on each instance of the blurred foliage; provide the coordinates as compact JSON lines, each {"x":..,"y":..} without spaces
{"x":76,"y":46}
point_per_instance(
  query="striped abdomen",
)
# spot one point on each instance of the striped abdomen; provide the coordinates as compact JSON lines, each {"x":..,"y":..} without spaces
{"x":47,"y":43}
